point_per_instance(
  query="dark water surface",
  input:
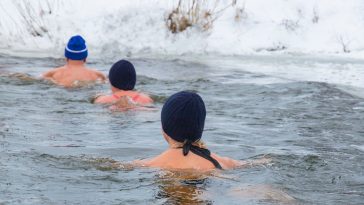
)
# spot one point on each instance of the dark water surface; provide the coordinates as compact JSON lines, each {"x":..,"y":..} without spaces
{"x":56,"y":147}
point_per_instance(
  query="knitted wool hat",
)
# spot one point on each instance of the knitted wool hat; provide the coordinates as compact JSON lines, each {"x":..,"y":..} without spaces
{"x":183,"y":117}
{"x":122,"y":75}
{"x":76,"y":48}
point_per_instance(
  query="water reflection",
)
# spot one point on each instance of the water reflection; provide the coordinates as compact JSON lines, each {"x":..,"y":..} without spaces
{"x":182,"y":188}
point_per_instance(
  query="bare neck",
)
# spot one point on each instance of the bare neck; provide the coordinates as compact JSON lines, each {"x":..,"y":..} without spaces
{"x":173,"y":144}
{"x":75,"y":63}
{"x":117,"y":90}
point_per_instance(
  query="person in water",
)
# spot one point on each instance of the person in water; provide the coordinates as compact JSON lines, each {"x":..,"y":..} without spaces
{"x":122,"y":77}
{"x":74,"y":73}
{"x":183,"y":119}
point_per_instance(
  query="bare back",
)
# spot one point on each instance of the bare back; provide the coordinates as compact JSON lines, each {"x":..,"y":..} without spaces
{"x":73,"y":75}
{"x":174,"y":159}
{"x":136,"y":97}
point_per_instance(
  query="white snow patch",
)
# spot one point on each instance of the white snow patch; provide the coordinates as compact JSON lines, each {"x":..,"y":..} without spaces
{"x":114,"y":28}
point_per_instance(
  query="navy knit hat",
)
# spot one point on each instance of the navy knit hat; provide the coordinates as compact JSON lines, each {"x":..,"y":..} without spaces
{"x":183,"y":117}
{"x":122,"y":75}
{"x":76,"y":48}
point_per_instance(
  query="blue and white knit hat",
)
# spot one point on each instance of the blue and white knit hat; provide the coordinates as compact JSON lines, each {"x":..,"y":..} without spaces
{"x":76,"y":48}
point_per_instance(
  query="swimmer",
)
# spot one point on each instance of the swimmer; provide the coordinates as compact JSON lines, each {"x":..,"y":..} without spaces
{"x":74,"y":73}
{"x":122,"y":77}
{"x":183,"y":118}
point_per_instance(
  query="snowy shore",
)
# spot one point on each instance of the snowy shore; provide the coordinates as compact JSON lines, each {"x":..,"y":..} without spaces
{"x":138,"y":28}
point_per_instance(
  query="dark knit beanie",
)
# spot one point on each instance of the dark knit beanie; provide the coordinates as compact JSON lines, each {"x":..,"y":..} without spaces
{"x":183,"y":117}
{"x":122,"y":75}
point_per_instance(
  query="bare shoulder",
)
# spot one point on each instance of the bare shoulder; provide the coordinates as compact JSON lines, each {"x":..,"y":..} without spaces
{"x":150,"y":162}
{"x":232,"y":163}
{"x":142,"y":162}
{"x":96,"y":72}
{"x":54,"y":70}
{"x":145,"y":98}
{"x":160,"y":161}
{"x":101,"y":76}
{"x":102,"y":99}
{"x":61,"y":68}
{"x":144,"y":95}
{"x":228,"y":163}
{"x":99,"y":73}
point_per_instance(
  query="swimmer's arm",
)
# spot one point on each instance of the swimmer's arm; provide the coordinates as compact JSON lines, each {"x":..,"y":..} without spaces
{"x":158,"y":161}
{"x":229,"y":163}
{"x":232,"y":163}
{"x":256,"y":162}
{"x":48,"y":75}
{"x":103,"y":99}
{"x":99,"y":99}
{"x":142,"y":162}
{"x":144,"y":99}
{"x":101,"y":76}
{"x":149,"y":99}
{"x":226,"y":163}
{"x":23,"y":76}
{"x":263,"y":192}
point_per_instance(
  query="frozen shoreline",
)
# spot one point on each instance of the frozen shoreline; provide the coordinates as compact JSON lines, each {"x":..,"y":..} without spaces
{"x":138,"y":28}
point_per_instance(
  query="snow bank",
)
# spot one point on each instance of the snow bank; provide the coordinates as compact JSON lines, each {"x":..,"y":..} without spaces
{"x":115,"y":28}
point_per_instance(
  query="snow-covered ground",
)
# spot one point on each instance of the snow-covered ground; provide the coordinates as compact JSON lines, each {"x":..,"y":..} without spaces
{"x":113,"y":28}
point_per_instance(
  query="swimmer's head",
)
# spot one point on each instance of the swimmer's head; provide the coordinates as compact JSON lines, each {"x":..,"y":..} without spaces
{"x":76,"y":48}
{"x":183,"y":117}
{"x":122,"y":75}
